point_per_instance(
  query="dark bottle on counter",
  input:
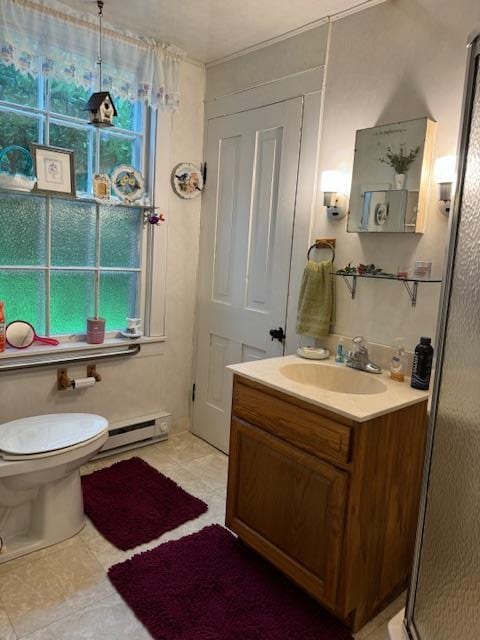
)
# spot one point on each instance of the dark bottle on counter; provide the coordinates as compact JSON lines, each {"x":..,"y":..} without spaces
{"x":422,"y":364}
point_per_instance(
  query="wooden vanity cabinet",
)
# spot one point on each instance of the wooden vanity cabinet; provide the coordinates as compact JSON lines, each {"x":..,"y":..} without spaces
{"x":331,"y":502}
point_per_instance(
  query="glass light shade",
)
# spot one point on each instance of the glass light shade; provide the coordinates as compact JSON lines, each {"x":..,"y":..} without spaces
{"x":445,"y":169}
{"x":333,"y":182}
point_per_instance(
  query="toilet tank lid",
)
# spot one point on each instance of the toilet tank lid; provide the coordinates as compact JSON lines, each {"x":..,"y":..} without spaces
{"x":50,"y":432}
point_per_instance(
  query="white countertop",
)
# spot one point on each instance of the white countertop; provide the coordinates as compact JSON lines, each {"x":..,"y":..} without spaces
{"x":358,"y":407}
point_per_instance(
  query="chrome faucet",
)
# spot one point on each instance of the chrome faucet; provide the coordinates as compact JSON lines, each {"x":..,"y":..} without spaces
{"x":357,"y":358}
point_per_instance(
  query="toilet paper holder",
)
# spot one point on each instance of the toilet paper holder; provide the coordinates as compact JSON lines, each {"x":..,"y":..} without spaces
{"x":64,"y":382}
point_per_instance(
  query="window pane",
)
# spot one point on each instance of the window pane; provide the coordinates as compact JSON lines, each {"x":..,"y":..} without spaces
{"x":115,"y":150}
{"x":120,"y":234}
{"x":73,"y":234}
{"x":68,"y":98}
{"x":16,"y":129}
{"x":72,"y":301}
{"x":118,"y":298}
{"x":24,"y":295}
{"x":17,"y":87}
{"x":131,"y":115}
{"x":22,"y":231}
{"x":78,"y":141}
{"x":126,"y":114}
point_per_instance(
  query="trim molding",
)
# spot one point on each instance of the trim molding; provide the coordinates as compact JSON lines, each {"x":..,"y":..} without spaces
{"x":263,"y":94}
{"x":267,"y":43}
{"x":366,"y":4}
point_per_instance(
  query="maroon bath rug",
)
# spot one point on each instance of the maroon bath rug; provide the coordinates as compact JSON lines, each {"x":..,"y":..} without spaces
{"x":131,"y":503}
{"x":209,"y":586}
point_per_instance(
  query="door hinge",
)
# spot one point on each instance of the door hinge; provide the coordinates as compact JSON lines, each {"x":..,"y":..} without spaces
{"x":203,"y":169}
{"x":193,"y":393}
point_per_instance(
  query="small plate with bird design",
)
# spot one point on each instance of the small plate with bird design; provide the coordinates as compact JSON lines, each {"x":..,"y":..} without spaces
{"x":187,"y":180}
{"x":127,"y":183}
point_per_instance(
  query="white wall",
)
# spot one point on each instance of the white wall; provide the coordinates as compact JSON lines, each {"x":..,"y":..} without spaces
{"x":396,"y":61}
{"x":293,"y":55}
{"x":183,"y":244}
{"x":159,"y":379}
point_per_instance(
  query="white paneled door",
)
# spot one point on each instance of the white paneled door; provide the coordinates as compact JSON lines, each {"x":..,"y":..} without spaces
{"x":247,"y":224}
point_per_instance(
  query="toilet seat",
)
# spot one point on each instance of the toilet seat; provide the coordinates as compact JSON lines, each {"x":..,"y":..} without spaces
{"x":49,"y":435}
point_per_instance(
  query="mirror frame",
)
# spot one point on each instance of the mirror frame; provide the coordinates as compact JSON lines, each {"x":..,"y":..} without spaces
{"x":425,"y":175}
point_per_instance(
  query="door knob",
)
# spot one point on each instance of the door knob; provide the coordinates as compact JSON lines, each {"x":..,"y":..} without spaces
{"x":277,"y":334}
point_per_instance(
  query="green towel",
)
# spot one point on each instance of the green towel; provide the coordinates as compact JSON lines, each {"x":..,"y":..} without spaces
{"x":316,"y":303}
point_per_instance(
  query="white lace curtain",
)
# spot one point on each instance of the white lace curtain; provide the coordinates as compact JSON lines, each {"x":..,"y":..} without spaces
{"x":40,"y":37}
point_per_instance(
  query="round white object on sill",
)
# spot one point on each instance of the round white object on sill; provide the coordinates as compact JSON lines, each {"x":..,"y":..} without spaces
{"x":137,"y":334}
{"x":313,"y":353}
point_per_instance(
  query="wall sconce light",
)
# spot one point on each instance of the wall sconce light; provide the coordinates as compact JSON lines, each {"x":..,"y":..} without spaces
{"x":334,"y":186}
{"x":445,"y":178}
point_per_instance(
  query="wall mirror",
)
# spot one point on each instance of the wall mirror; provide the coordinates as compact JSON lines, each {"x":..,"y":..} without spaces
{"x":391,"y":176}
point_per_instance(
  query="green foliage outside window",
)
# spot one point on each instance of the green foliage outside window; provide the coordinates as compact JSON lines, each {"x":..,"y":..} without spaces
{"x":80,"y":141}
{"x":126,"y":115}
{"x":18,"y":129}
{"x":67,"y":98}
{"x":115,"y":150}
{"x":18,"y":87}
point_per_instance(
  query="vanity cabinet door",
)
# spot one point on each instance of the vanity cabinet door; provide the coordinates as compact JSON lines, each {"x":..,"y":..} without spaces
{"x":289,"y":506}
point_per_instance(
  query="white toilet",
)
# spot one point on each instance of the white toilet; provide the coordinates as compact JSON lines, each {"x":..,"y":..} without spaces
{"x":41,"y":499}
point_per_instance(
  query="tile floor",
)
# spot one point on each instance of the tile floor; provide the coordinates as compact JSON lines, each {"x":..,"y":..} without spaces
{"x":63,"y":593}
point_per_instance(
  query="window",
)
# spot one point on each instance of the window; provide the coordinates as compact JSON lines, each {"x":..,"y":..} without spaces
{"x":62,"y":260}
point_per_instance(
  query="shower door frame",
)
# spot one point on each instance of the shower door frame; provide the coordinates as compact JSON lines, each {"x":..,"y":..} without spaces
{"x":473,"y":68}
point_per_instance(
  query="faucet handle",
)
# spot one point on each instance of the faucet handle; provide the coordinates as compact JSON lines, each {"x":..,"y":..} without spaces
{"x":359,"y":344}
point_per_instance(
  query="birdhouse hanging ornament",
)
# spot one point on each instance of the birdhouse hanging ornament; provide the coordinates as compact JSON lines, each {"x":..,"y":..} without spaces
{"x":100,"y":105}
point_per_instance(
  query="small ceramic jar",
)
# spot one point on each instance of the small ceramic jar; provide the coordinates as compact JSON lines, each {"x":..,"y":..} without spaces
{"x":95,"y":330}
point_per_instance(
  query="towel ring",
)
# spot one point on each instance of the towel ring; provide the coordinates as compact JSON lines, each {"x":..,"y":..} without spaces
{"x":322,"y":246}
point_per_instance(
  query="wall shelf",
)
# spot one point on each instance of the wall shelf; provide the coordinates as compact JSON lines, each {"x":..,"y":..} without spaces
{"x":410,"y":284}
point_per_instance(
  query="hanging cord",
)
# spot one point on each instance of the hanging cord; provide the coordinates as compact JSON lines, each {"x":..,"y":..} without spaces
{"x":99,"y":59}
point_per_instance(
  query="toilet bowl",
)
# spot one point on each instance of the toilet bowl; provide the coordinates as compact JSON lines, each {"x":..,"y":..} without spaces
{"x":41,"y":500}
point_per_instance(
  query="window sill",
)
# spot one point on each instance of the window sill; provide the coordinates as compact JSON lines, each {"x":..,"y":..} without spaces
{"x":110,"y":344}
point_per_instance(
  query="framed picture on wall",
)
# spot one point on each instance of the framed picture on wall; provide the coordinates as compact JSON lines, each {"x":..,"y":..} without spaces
{"x":55,"y":170}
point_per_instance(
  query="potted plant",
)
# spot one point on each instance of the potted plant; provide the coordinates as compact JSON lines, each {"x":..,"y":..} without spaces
{"x":400,"y":162}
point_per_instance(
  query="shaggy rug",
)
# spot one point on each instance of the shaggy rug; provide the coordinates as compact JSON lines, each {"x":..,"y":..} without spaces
{"x":209,"y":586}
{"x":131,"y":503}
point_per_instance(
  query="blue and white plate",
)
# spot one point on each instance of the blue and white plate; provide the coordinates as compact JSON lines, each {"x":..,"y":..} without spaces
{"x":127,"y":183}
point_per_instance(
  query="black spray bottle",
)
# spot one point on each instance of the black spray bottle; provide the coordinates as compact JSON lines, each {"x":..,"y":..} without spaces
{"x":422,"y":364}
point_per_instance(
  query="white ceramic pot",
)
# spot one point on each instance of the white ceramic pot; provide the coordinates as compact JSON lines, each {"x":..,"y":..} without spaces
{"x":400,"y":181}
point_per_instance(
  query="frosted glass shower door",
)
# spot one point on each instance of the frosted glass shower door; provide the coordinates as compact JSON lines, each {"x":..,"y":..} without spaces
{"x":445,"y":597}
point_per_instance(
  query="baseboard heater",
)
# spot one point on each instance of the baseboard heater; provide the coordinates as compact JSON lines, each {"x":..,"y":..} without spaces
{"x":128,"y":435}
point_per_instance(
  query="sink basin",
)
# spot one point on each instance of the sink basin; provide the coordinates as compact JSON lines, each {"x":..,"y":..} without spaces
{"x":333,"y":378}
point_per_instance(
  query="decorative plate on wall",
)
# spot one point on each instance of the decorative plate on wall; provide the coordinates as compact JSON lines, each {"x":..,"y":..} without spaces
{"x":127,"y":183}
{"x":16,"y":169}
{"x":187,"y":180}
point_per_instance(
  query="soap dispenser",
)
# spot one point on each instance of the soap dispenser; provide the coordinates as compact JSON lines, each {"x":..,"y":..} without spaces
{"x":340,"y":352}
{"x":398,"y":366}
{"x":422,"y":364}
